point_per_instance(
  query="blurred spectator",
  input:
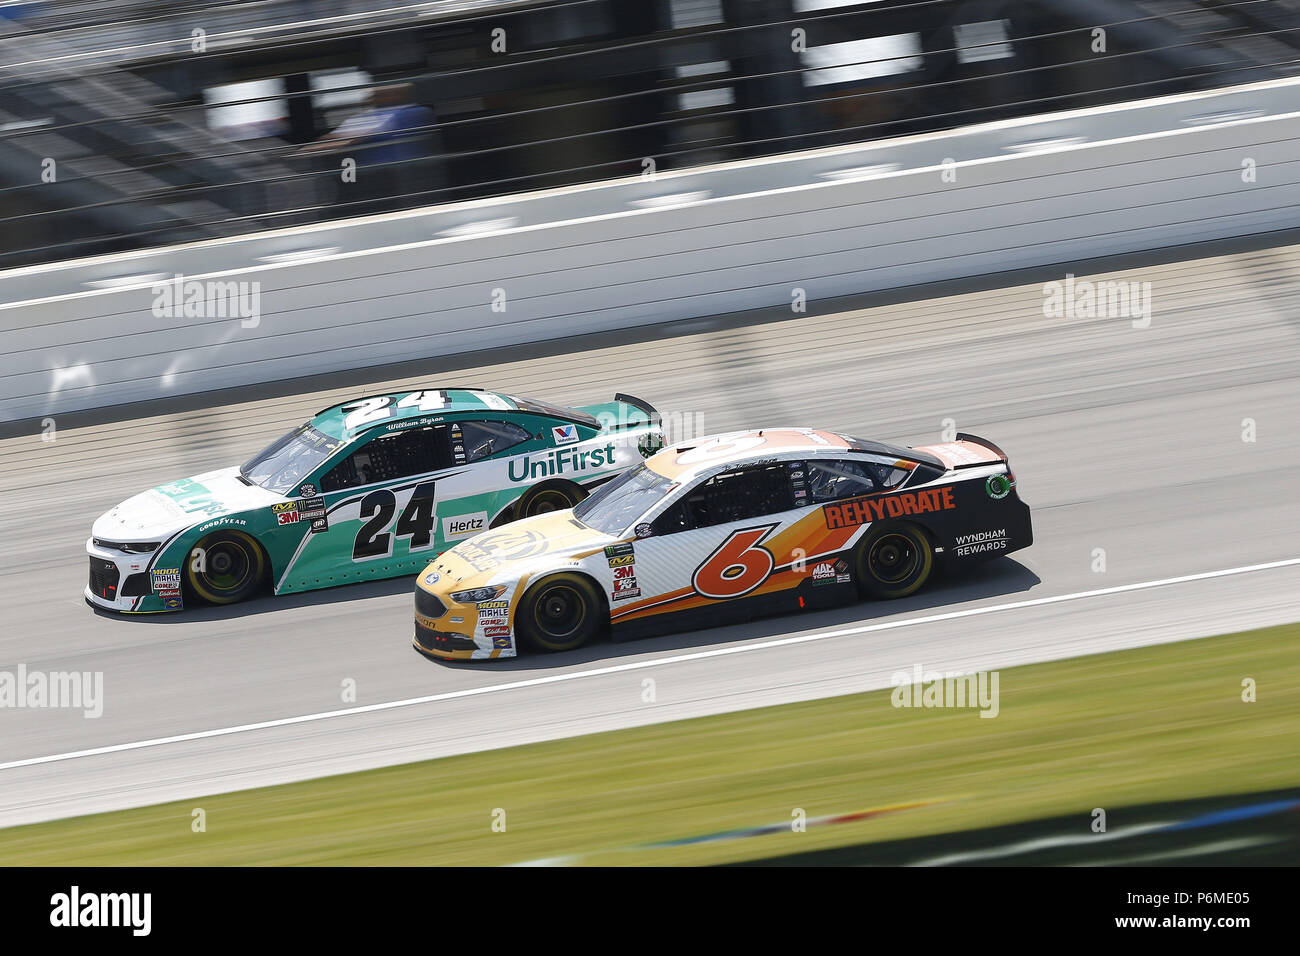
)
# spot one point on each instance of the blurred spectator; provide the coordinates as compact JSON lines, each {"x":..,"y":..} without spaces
{"x":393,"y":143}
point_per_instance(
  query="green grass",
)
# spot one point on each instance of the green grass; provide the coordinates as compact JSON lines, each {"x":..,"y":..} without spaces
{"x":1138,"y":726}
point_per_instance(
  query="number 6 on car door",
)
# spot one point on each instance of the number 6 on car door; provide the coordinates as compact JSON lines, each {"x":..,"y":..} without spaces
{"x":738,"y":566}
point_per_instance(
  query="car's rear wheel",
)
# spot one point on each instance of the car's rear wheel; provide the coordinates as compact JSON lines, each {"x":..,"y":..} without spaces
{"x":226,"y":567}
{"x":893,"y":561}
{"x":547,"y":498}
{"x":560,"y":613}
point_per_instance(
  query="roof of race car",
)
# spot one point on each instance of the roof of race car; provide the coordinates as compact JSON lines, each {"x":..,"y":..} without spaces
{"x":356,"y":415}
{"x":687,"y":457}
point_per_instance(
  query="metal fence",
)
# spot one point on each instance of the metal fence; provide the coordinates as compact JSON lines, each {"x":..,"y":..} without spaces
{"x":124,"y":125}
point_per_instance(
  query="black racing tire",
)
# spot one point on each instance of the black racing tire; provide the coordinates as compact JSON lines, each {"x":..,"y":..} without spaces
{"x":542,"y":499}
{"x":233,"y":567}
{"x":893,"y":561}
{"x":561,"y":612}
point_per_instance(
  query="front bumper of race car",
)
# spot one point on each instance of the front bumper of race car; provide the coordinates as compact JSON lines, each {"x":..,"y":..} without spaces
{"x":122,"y":581}
{"x":449,"y":631}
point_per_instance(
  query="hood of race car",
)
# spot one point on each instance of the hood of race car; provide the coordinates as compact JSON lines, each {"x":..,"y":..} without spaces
{"x":159,"y":512}
{"x":512,"y":550}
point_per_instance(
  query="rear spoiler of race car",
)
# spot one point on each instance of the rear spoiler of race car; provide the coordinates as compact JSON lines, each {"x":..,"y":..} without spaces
{"x":640,"y":404}
{"x":976,"y":440}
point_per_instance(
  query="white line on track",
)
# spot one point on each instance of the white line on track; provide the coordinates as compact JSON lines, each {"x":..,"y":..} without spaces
{"x":640,"y":665}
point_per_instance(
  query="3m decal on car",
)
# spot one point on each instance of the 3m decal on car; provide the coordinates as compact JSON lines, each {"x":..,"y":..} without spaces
{"x":286,"y":512}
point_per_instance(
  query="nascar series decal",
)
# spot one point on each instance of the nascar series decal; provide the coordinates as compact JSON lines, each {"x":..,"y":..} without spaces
{"x":314,"y":510}
{"x":798,"y":474}
{"x":856,"y":511}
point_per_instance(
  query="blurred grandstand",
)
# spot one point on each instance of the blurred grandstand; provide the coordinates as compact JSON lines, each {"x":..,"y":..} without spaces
{"x":133,"y":123}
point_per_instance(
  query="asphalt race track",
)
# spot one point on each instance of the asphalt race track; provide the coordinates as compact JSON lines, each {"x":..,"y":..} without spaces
{"x":1125,"y":439}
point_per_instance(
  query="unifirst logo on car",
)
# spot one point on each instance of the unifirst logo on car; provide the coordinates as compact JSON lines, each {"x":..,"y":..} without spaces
{"x":530,"y":468}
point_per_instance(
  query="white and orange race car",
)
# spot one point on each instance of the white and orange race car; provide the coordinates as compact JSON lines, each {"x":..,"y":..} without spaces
{"x":720,"y":530}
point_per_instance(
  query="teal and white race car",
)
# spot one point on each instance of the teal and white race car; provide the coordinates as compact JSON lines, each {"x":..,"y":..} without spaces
{"x":372,"y":488}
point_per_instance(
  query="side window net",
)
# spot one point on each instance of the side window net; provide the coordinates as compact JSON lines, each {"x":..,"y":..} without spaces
{"x":402,"y":455}
{"x":734,"y":496}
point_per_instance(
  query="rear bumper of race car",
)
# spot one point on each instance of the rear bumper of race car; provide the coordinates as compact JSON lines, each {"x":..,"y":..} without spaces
{"x":1001,"y":527}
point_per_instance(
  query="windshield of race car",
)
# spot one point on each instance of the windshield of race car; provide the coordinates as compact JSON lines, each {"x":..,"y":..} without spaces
{"x":283,"y":464}
{"x":613,"y":507}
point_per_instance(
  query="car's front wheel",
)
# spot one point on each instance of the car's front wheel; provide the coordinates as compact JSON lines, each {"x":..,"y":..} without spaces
{"x":560,"y":613}
{"x":547,"y":498}
{"x":893,"y":561}
{"x":226,"y":567}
